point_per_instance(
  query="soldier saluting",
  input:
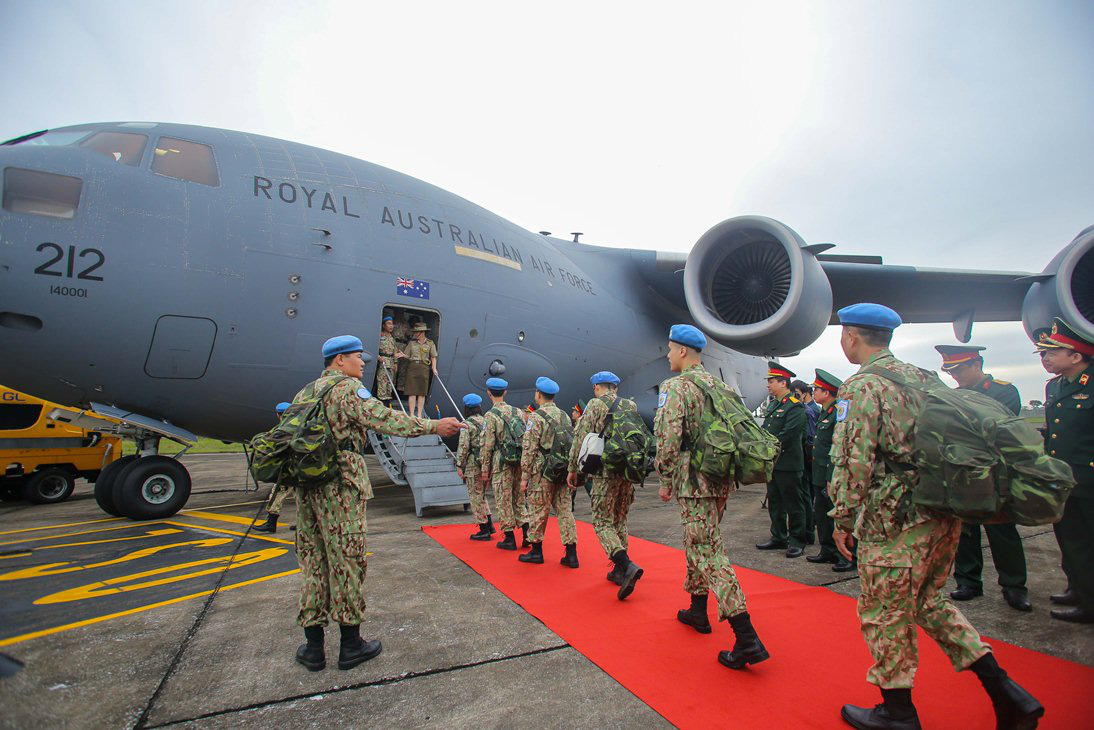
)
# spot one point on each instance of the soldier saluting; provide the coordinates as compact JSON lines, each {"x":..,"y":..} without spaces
{"x":965,"y":364}
{"x":905,"y":553}
{"x":331,"y":530}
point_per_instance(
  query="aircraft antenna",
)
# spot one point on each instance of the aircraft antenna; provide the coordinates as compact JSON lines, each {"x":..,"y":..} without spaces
{"x":576,"y":235}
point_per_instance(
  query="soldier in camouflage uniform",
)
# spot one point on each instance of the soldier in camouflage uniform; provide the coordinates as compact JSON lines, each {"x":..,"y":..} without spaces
{"x":401,"y":332}
{"x":467,"y":464}
{"x":542,"y":494}
{"x":965,"y":364}
{"x":905,"y":553}
{"x":331,"y":529}
{"x":611,"y":494}
{"x":386,"y":354}
{"x":277,"y":494}
{"x":786,"y":420}
{"x":502,"y":477}
{"x":702,"y":502}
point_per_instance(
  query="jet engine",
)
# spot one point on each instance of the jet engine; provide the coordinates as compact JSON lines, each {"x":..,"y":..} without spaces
{"x":752,"y":284}
{"x":1065,"y":289}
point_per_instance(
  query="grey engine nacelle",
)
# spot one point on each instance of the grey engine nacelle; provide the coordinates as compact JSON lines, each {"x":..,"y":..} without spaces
{"x":1065,"y":289}
{"x":753,"y":285}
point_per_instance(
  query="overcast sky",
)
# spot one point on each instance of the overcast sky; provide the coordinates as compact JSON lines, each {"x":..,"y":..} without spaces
{"x":931,"y":133}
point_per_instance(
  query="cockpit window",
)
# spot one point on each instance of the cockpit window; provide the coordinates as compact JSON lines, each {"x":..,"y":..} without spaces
{"x":121,"y":147}
{"x":55,"y":138}
{"x":186,"y":161}
{"x":41,"y":193}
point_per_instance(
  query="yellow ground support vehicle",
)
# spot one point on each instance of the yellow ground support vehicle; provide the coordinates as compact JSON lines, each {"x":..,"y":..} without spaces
{"x":40,"y":458}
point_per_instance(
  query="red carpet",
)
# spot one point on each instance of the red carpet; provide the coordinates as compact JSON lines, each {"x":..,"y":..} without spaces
{"x":818,"y":658}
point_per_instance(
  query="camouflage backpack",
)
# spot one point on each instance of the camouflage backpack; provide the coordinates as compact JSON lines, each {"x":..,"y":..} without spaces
{"x":628,"y":446}
{"x":300,"y":451}
{"x":731,"y":445}
{"x":556,"y":458}
{"x":512,"y":436}
{"x":977,"y":461}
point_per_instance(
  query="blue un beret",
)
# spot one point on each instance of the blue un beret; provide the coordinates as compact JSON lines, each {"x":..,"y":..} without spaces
{"x":388,"y":318}
{"x":472,"y":399}
{"x":282,"y":407}
{"x":685,"y":334}
{"x":604,"y":376}
{"x":342,"y":344}
{"x":546,"y":386}
{"x":870,"y":316}
{"x":497,"y":384}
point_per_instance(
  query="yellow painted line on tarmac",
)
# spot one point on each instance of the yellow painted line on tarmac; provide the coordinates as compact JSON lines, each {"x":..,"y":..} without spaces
{"x":65,"y":524}
{"x":49,"y":569}
{"x":217,"y":516}
{"x":222,"y":506}
{"x":14,"y":555}
{"x":253,"y":536}
{"x":127,"y":526}
{"x":139,"y":609}
{"x":145,"y":536}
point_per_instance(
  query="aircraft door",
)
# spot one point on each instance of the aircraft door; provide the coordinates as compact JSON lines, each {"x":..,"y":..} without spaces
{"x":181,"y":347}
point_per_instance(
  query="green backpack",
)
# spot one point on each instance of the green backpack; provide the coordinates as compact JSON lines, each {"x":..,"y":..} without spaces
{"x":731,"y":445}
{"x":629,"y":446}
{"x":300,"y":451}
{"x":977,"y":461}
{"x":512,"y":437}
{"x":556,"y":461}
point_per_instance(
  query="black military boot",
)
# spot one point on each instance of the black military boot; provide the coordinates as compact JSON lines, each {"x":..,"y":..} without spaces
{"x":570,"y":558}
{"x":747,"y":649}
{"x":355,"y":650}
{"x":482,"y":534}
{"x":696,"y":616}
{"x":1015,"y":708}
{"x":843,"y":565}
{"x":535,"y":555}
{"x":270,"y":525}
{"x":509,"y":543}
{"x":616,"y":573}
{"x":490,"y":524}
{"x":896,"y":712}
{"x":629,"y":573}
{"x":524,"y":536}
{"x":311,"y":654}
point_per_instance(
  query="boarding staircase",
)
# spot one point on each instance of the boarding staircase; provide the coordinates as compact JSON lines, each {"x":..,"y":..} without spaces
{"x":425,"y":464}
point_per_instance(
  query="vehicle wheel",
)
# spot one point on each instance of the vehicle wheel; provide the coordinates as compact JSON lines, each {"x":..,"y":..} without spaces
{"x":151,"y":488}
{"x":49,"y":486}
{"x":13,"y":490}
{"x":104,"y":485}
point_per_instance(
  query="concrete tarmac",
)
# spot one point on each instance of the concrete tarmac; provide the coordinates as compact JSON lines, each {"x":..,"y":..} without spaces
{"x":154,"y":651}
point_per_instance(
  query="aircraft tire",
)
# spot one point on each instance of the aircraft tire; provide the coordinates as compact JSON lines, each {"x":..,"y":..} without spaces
{"x":104,"y":484}
{"x":152,"y":488}
{"x":49,"y":486}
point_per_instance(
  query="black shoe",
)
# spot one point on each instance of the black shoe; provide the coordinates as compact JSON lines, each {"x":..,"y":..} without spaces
{"x":1067,"y":598}
{"x":1015,"y":708}
{"x":570,"y":558}
{"x":509,"y":543}
{"x":966,"y":593}
{"x":629,"y":577}
{"x":483,"y":533}
{"x":747,"y":649}
{"x":524,"y":537}
{"x":1016,"y":599}
{"x":615,"y":576}
{"x":794,"y":552}
{"x":490,"y":524}
{"x":771,"y":544}
{"x":1074,"y":615}
{"x":843,"y":565}
{"x":270,"y":525}
{"x":535,"y":555}
{"x":877,"y":718}
{"x":694,"y":619}
{"x":357,"y":652}
{"x":312,"y":657}
{"x":823,"y":557}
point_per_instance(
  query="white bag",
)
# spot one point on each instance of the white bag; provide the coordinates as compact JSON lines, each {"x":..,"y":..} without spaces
{"x":591,"y":454}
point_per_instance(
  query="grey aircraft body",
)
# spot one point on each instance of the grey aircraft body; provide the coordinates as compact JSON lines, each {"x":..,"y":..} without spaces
{"x":187,"y":277}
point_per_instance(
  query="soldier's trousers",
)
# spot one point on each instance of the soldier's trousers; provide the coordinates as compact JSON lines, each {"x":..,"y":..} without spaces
{"x":902,"y":582}
{"x":1075,"y":534}
{"x":825,"y":524}
{"x":384,"y":391}
{"x":709,"y":569}
{"x":786,"y":508}
{"x":611,"y":498}
{"x":1006,"y":553}
{"x":543,"y":496}
{"x":276,"y":499}
{"x":806,"y":492}
{"x":476,"y":490}
{"x":508,"y":499}
{"x":330,"y":545}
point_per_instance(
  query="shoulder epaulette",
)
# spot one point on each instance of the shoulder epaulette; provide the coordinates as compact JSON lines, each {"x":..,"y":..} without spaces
{"x":1002,"y":382}
{"x":794,"y":400}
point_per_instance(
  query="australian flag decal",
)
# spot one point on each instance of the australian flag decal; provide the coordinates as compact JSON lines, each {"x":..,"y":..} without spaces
{"x":411,"y":288}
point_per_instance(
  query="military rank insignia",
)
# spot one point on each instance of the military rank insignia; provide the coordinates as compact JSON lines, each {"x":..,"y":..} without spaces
{"x":363,"y":393}
{"x":842,"y":408}
{"x":1084,"y":379}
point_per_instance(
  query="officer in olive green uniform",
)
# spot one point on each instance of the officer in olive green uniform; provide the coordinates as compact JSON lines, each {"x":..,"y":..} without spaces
{"x":467,"y":464}
{"x":905,"y":552}
{"x":1069,"y":436}
{"x":330,"y":535}
{"x":966,"y":365}
{"x":824,"y":393}
{"x":785,"y":419}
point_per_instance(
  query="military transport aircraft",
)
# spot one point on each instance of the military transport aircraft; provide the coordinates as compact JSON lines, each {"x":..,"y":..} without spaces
{"x":183,"y":278}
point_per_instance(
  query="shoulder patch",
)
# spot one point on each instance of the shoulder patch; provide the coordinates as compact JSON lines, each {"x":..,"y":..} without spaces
{"x":528,"y":426}
{"x":661,"y":399}
{"x":843,"y":407}
{"x":363,"y":393}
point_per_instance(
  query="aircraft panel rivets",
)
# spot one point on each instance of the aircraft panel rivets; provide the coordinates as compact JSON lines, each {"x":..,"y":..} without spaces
{"x":293,"y":296}
{"x":520,"y":336}
{"x":290,"y":312}
{"x":294,"y":279}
